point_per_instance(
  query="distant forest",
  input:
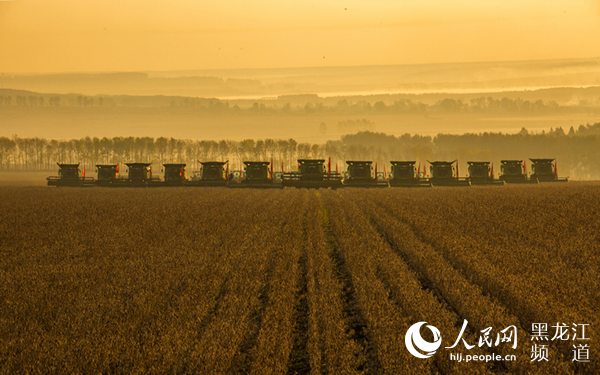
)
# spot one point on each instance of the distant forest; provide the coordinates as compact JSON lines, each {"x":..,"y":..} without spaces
{"x":577,"y":150}
{"x":394,"y":104}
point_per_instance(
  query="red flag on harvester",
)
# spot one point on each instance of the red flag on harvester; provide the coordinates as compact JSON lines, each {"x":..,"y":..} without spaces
{"x":117,"y":168}
{"x":83,"y":172}
{"x":329,"y":167}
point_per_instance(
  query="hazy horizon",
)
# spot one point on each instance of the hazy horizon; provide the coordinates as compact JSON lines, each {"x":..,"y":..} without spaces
{"x":186,"y":72}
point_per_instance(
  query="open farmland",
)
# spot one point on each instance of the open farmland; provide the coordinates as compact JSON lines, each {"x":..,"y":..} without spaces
{"x":223,"y":280}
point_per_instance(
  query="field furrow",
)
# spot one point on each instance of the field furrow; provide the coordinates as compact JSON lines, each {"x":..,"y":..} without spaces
{"x":293,"y":281}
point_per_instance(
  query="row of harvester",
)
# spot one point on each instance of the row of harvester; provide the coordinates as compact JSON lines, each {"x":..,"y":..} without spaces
{"x":543,"y":170}
{"x":312,"y":173}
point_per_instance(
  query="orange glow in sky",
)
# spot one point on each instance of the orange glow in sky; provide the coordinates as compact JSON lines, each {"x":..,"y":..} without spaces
{"x":134,"y":35}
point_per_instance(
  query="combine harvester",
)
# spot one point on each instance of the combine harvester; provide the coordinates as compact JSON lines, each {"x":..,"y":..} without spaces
{"x":360,"y":174}
{"x":514,"y":172}
{"x":482,"y":173}
{"x":311,"y":173}
{"x":445,"y":173}
{"x":257,"y":174}
{"x":107,"y":174}
{"x":212,"y":173}
{"x":404,"y":174}
{"x":138,"y":175}
{"x":174,"y":174}
{"x":545,"y":170}
{"x":70,"y":175}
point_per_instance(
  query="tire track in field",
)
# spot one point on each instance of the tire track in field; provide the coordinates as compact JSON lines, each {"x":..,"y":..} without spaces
{"x":396,"y":301}
{"x":427,"y":285}
{"x":206,"y":319}
{"x":356,"y":323}
{"x":414,"y":264}
{"x":212,"y":311}
{"x":495,"y":294}
{"x":425,"y":281}
{"x":299,"y":358}
{"x":243,"y":359}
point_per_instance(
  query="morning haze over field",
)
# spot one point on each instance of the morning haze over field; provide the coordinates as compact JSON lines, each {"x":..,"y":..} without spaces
{"x":313,"y":71}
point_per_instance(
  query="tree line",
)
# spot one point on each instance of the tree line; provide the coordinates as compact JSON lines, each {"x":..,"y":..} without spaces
{"x":577,"y":150}
{"x":309,"y":105}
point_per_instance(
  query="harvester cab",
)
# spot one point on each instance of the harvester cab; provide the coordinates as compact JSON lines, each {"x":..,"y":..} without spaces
{"x":107,"y":173}
{"x":445,"y":173}
{"x":212,"y":173}
{"x":174,"y":174}
{"x":545,"y":170}
{"x":514,"y":171}
{"x":404,"y":173}
{"x":312,"y":173}
{"x":360,"y":174}
{"x":482,"y":173}
{"x":69,"y":175}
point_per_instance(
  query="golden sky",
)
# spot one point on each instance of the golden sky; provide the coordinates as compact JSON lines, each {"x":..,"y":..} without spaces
{"x":151,"y":35}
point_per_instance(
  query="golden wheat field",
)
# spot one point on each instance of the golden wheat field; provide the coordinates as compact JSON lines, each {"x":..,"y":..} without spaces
{"x":216,"y":280}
